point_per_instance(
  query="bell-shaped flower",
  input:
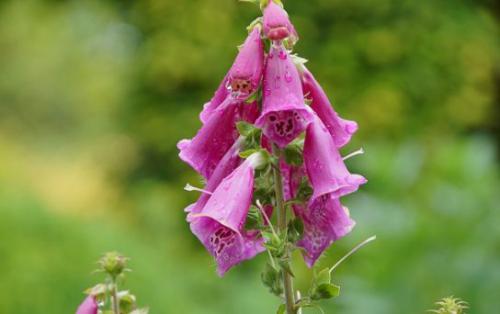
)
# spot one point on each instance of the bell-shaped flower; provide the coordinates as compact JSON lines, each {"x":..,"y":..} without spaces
{"x":325,"y":168}
{"x":277,"y":25}
{"x":88,"y":306}
{"x":228,"y":163}
{"x":340,"y":129}
{"x":213,"y":140}
{"x":325,"y":221}
{"x":284,"y":114}
{"x":243,"y":78}
{"x":220,"y":224}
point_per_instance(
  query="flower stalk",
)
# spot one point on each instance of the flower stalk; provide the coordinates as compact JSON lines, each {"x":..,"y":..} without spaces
{"x":114,"y":296}
{"x":289,"y":294}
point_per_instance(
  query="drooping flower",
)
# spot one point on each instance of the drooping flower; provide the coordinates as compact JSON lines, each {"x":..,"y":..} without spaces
{"x":284,"y":114}
{"x":88,"y":306}
{"x":325,"y":168}
{"x":228,"y":163}
{"x":243,"y":78}
{"x":277,"y":25}
{"x":213,"y":140}
{"x":340,"y":129}
{"x":220,"y":224}
{"x":325,"y":221}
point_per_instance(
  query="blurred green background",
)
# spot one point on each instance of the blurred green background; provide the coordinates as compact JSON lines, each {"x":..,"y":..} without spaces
{"x":95,"y":94}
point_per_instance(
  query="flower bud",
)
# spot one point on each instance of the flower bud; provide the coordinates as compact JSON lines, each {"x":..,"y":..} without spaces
{"x":113,"y":263}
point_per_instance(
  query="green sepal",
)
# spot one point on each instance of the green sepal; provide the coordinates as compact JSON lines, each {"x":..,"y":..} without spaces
{"x":254,"y":219}
{"x":323,"y":277}
{"x":247,"y":153}
{"x":127,"y":303}
{"x":245,"y":128}
{"x":295,"y":229}
{"x":325,"y":291}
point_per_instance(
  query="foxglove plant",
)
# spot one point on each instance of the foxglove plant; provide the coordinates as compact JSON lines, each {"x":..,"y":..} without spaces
{"x":268,"y":150}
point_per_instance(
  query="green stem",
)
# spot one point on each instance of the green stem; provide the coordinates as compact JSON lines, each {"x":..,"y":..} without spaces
{"x":114,"y":296}
{"x":282,"y":222}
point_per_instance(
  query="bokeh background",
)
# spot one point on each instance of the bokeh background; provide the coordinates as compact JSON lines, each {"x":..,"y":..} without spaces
{"x":94,"y":95}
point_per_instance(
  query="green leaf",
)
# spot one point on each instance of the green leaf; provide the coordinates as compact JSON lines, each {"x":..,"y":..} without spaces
{"x":281,"y":309}
{"x":293,"y":154}
{"x":325,"y":291}
{"x":305,"y":191}
{"x":244,"y":128}
{"x":323,"y":277}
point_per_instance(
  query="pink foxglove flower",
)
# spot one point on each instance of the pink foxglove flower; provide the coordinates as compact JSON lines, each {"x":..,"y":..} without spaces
{"x":243,"y":78}
{"x":219,"y":225}
{"x":325,"y":168}
{"x":325,"y":221}
{"x":284,"y":114}
{"x":277,"y":25}
{"x":340,"y":129}
{"x":212,"y":141}
{"x":228,"y":163}
{"x":88,"y":306}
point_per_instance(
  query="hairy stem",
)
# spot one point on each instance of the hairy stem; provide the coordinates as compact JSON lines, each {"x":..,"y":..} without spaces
{"x":282,"y":222}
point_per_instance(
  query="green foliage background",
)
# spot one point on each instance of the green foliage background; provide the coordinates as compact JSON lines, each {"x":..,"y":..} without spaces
{"x":94,"y":95}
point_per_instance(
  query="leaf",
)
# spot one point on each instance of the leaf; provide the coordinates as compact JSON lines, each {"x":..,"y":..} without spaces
{"x":281,"y":309}
{"x":325,"y":291}
{"x":293,"y":155}
{"x":271,"y":278}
